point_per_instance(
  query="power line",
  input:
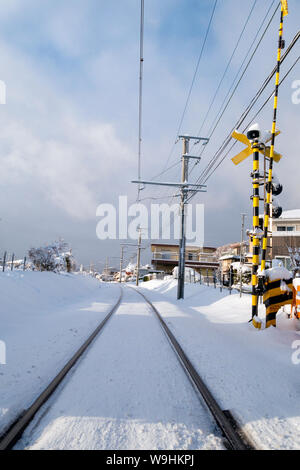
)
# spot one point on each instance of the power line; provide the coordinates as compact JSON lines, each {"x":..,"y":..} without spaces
{"x":227,"y":67}
{"x":248,"y":109}
{"x":214,"y":127}
{"x":246,"y":112}
{"x":222,"y":110}
{"x":165,"y":171}
{"x":193,"y":80}
{"x":254,"y":117}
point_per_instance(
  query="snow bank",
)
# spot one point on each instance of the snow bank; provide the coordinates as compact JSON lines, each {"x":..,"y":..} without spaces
{"x":276,"y":273}
{"x":255,"y":374}
{"x":44,"y":318}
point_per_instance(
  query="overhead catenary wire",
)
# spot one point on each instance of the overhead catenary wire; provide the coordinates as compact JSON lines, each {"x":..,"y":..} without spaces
{"x":165,"y":169}
{"x":193,"y":81}
{"x":215,"y":125}
{"x":231,"y":93}
{"x":254,"y":117}
{"x":242,"y":64}
{"x":227,"y":67}
{"x":242,"y":118}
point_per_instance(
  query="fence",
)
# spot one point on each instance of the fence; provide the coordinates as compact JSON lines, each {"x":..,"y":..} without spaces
{"x":216,"y":280}
{"x":8,"y":262}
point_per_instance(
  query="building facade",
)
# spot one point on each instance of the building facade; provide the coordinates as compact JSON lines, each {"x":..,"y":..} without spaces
{"x":203,"y":260}
{"x":286,"y":234}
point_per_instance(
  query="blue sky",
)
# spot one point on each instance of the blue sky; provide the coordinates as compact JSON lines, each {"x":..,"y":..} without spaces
{"x":69,"y":128}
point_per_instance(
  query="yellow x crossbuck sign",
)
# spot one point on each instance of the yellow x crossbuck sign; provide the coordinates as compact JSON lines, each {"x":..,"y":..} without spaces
{"x":240,"y":157}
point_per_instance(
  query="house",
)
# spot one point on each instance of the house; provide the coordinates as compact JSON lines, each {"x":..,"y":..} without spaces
{"x":203,"y":260}
{"x":229,"y":254}
{"x":286,"y":236}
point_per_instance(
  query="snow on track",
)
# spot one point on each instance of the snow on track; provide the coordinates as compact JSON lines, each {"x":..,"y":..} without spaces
{"x":249,"y":372}
{"x":45,"y":318}
{"x":128,"y":392}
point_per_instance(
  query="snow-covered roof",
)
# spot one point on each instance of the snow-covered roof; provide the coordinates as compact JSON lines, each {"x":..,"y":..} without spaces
{"x":292,"y":214}
{"x":225,"y":257}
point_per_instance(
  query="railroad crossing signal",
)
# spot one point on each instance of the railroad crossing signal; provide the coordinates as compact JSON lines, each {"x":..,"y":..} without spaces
{"x":256,"y":141}
{"x":285,"y":7}
{"x":240,"y":157}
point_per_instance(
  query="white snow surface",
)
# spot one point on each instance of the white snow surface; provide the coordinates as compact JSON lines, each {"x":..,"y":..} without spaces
{"x":291,"y":214}
{"x":279,"y":272}
{"x":250,"y":372}
{"x":128,"y":392}
{"x":44,"y":319}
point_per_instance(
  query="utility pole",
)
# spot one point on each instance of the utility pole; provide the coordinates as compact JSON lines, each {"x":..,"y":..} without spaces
{"x":242,"y":254}
{"x":185,"y":187}
{"x":121,"y":262}
{"x":122,"y":257}
{"x":182,"y":243}
{"x":138,"y":257}
{"x":141,"y":92}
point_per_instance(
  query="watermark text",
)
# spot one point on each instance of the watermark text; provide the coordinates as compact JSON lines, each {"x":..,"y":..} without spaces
{"x":296,"y":93}
{"x":160,"y":221}
{"x":296,"y":354}
{"x":2,"y":353}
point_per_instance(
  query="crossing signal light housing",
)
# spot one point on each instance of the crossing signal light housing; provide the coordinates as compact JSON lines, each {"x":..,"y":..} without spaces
{"x":277,"y":189}
{"x":276,"y":212}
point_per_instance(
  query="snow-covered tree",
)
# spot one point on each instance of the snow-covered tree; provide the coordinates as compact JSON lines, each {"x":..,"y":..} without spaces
{"x":54,"y":257}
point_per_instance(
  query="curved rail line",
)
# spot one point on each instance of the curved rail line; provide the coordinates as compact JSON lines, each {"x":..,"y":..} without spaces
{"x":14,"y":433}
{"x":236,"y":439}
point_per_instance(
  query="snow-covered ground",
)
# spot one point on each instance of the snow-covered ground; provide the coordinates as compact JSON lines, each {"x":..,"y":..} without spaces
{"x":250,"y":372}
{"x":128,"y":392}
{"x":44,"y":319}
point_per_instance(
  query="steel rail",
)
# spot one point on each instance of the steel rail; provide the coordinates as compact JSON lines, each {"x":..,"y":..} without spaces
{"x":14,"y":433}
{"x":237,"y":440}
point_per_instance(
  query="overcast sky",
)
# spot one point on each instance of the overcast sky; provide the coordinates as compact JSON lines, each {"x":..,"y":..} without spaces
{"x":69,"y":128}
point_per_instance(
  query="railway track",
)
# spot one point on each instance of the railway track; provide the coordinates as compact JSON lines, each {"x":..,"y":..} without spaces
{"x":234,"y":437}
{"x":14,"y":433}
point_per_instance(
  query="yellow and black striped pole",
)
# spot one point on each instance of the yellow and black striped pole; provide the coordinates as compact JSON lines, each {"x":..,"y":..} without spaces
{"x":255,"y":236}
{"x":267,"y":211}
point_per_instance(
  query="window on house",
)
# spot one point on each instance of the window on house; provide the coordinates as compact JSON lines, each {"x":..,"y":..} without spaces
{"x":281,"y":228}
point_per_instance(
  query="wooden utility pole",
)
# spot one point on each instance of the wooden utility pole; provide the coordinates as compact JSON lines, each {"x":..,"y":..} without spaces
{"x":138,"y":257}
{"x":185,"y":187}
{"x":121,"y":262}
{"x":182,"y":243}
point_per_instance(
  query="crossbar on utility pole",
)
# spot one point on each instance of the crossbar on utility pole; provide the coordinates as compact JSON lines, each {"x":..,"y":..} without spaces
{"x":185,"y":187}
